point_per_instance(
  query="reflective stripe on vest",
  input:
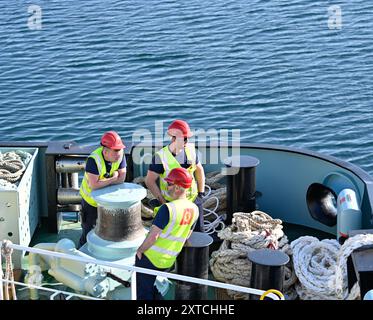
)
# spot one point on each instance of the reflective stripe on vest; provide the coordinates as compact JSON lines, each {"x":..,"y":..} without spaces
{"x":169,"y":162}
{"x":85,"y":190}
{"x":182,"y":215}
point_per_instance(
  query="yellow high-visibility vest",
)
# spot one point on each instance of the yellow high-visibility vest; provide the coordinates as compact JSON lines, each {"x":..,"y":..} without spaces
{"x":183,"y":214}
{"x":169,"y":162}
{"x":85,"y":190}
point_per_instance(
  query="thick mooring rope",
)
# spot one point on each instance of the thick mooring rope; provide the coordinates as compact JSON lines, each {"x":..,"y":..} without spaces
{"x":249,"y":231}
{"x":319,"y":270}
{"x":12,"y":166}
{"x":321,"y":267}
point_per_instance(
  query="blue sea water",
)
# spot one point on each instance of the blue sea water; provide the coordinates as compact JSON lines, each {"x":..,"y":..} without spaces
{"x":277,"y":70}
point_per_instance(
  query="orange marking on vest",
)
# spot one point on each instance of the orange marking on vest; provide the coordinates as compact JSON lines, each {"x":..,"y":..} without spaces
{"x":187,"y":216}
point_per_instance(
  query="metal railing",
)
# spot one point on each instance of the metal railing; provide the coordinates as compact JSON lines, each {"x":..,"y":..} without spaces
{"x":66,"y":294}
{"x":134,"y":270}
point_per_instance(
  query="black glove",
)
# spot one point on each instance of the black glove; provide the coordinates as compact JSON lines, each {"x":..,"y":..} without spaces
{"x":201,"y":194}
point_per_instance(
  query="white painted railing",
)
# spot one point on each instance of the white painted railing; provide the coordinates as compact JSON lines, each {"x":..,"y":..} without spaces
{"x":67,"y":295}
{"x":133,"y":279}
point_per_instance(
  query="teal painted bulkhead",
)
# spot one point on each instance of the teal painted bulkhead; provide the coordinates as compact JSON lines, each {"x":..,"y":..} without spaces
{"x":283,"y":178}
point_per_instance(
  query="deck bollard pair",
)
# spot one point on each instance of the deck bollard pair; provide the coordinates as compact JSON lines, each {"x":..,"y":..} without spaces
{"x":267,"y":265}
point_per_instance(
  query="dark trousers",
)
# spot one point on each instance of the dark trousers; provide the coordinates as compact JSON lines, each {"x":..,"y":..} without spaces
{"x":200,"y":222}
{"x":145,"y":282}
{"x":88,"y":219}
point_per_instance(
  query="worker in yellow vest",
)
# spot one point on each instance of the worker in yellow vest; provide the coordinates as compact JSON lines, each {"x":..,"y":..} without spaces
{"x":171,"y":227}
{"x":179,"y":153}
{"x":105,"y":166}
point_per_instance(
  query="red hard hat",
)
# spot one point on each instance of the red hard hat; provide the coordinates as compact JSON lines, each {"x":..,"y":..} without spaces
{"x":179,"y":127}
{"x":112,"y":140}
{"x":180,"y":177}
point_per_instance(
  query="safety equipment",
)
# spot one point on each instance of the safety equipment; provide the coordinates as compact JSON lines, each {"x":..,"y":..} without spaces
{"x":169,"y":162}
{"x":179,"y":128}
{"x":183,"y":213}
{"x":85,"y":190}
{"x":180,"y":177}
{"x":349,"y":216}
{"x":112,"y":140}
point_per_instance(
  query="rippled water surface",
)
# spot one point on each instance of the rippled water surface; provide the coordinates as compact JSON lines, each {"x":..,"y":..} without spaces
{"x":273,"y":69}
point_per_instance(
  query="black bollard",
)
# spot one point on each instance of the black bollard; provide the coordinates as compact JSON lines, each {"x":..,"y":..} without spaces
{"x":193,"y":261}
{"x":267,"y":271}
{"x":241,"y":185}
{"x":360,"y":265}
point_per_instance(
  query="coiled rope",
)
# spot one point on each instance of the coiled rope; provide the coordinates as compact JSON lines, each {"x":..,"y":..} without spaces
{"x":214,"y":206}
{"x":248,"y":232}
{"x":12,"y":166}
{"x":321,"y":267}
{"x":6,"y":251}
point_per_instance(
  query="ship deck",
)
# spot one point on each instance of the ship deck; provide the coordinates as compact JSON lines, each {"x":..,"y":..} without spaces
{"x":71,"y":229}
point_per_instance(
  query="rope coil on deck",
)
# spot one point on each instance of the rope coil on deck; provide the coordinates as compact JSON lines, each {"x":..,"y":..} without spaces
{"x":249,"y":231}
{"x":12,"y":166}
{"x":321,"y":267}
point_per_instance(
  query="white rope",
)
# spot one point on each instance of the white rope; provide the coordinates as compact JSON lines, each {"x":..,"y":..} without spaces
{"x":214,"y":203}
{"x":249,"y":231}
{"x":12,"y":166}
{"x":208,"y":190}
{"x":321,"y":267}
{"x":217,"y":222}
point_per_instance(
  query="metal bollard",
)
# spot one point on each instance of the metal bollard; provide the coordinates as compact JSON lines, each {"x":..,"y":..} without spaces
{"x":267,"y":271}
{"x":193,"y":261}
{"x":119,"y":230}
{"x":241,"y":185}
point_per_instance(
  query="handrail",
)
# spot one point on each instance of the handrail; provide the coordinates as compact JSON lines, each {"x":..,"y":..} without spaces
{"x":56,"y":291}
{"x":146,"y":271}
